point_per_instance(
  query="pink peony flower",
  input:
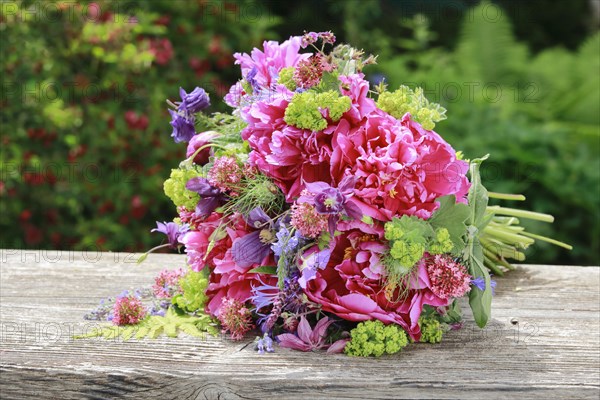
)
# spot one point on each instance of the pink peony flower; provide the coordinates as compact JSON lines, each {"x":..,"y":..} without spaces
{"x":228,"y":279}
{"x":288,"y":155}
{"x":271,"y":60}
{"x":400,"y":167}
{"x":197,"y":243}
{"x":351,"y":284}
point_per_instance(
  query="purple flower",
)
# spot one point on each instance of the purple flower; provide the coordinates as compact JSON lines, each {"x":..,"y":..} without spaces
{"x":249,"y":249}
{"x":183,"y":126}
{"x":327,"y":37}
{"x":308,"y":339}
{"x":308,"y":39}
{"x":255,"y":246}
{"x":195,"y":101}
{"x":251,"y":78}
{"x":265,"y":344}
{"x":172,"y":230}
{"x":333,"y":201}
{"x":264,"y":295}
{"x":286,"y":243}
{"x":211,"y":197}
{"x":312,"y":262}
{"x":479,"y":283}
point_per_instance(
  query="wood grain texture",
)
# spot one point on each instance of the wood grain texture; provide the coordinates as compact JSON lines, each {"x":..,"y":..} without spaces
{"x":543,"y":342}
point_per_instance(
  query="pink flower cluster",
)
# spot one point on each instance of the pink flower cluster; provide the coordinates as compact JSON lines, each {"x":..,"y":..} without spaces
{"x":235,"y":318}
{"x":166,"y":284}
{"x":400,"y":167}
{"x":225,"y":173}
{"x":449,"y":279}
{"x":227,"y":278}
{"x":128,"y":310}
{"x":307,"y":220}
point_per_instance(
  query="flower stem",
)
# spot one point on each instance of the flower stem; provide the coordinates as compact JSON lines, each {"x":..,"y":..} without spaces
{"x":506,"y":196}
{"x":521,"y":213}
{"x":548,"y":240}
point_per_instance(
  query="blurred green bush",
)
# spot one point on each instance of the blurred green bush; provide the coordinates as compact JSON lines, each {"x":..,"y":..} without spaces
{"x":85,"y":134}
{"x":537,"y":115}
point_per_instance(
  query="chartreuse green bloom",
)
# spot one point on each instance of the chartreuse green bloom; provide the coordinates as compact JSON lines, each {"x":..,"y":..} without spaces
{"x":408,"y":237}
{"x":373,"y":338}
{"x":431,"y":330}
{"x":193,"y":299}
{"x":406,"y":100}
{"x":304,"y":110}
{"x":174,"y":188}
{"x":286,"y":78}
{"x":441,"y":243}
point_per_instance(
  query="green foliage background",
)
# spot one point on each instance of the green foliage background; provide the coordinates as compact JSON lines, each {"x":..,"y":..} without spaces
{"x":85,"y":134}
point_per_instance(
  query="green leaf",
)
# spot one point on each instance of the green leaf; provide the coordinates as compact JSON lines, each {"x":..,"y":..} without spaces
{"x":264,"y":269}
{"x":478,"y":197}
{"x":142,"y":258}
{"x":128,"y":332}
{"x":142,"y":332}
{"x":171,"y":329}
{"x":452,"y":216}
{"x":191,"y":330}
{"x":480,"y":301}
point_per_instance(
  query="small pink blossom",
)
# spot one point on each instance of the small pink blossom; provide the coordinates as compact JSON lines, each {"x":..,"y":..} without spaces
{"x":128,"y":310}
{"x":225,"y":173}
{"x":166,"y":284}
{"x":449,"y":279}
{"x":235,"y":318}
{"x":307,"y":220}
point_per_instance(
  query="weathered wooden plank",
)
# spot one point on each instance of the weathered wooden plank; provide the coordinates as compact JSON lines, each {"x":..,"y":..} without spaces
{"x":544,"y":341}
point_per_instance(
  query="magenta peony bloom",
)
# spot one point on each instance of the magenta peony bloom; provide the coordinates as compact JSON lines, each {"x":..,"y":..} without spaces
{"x":228,"y":279}
{"x":350,"y":285}
{"x":400,"y":167}
{"x":271,"y":60}
{"x":197,"y":242}
{"x":288,"y":155}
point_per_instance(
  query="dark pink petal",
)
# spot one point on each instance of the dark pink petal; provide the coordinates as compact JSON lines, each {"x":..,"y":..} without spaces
{"x":304,"y":330}
{"x":338,"y":346}
{"x":319,"y":330}
{"x":290,"y":341}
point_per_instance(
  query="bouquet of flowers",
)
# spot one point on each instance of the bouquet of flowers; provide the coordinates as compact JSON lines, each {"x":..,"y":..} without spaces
{"x":325,"y":213}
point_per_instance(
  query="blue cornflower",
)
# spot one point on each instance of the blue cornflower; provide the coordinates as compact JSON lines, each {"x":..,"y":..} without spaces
{"x":479,"y":283}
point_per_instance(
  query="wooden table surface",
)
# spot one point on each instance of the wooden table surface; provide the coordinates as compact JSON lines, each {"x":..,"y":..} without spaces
{"x":543,"y":342}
